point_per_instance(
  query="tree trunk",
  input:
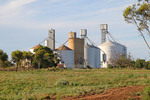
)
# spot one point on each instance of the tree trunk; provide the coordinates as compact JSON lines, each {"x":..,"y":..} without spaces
{"x":17,"y":67}
{"x":39,"y":64}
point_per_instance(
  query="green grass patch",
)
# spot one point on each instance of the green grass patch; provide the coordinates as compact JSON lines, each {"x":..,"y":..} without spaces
{"x":146,"y":93}
{"x":40,"y":84}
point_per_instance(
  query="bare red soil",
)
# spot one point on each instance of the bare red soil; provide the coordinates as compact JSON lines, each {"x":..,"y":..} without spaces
{"x":123,"y":93}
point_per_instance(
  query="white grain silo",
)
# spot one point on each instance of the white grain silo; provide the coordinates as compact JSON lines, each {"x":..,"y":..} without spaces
{"x":91,"y":52}
{"x":66,"y":56}
{"x":109,"y":51}
{"x":92,"y":56}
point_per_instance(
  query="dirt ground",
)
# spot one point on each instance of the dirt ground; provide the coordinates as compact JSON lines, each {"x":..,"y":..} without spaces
{"x":123,"y":93}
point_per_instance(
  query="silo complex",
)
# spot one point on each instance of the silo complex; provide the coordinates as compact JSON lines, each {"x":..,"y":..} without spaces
{"x":111,"y":50}
{"x":82,"y":52}
{"x":77,"y":45}
{"x":92,"y":56}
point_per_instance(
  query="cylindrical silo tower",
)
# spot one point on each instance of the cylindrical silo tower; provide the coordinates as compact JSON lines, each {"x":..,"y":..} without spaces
{"x":51,"y":37}
{"x":104,"y":28}
{"x":92,"y":56}
{"x":77,"y":45}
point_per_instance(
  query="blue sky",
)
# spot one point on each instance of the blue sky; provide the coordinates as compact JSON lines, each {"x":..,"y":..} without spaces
{"x":25,"y":23}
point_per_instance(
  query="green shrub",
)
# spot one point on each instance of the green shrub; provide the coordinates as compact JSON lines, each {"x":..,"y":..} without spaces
{"x":140,"y":63}
{"x":56,"y":68}
{"x":62,"y":82}
{"x":138,"y":93}
{"x":88,"y":67}
{"x":145,"y":75}
{"x":130,"y":75}
{"x":109,"y":66}
{"x":75,"y":84}
{"x":148,"y":66}
{"x":146,"y":93}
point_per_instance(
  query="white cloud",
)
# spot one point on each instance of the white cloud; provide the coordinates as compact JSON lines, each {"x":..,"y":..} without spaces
{"x":13,"y":8}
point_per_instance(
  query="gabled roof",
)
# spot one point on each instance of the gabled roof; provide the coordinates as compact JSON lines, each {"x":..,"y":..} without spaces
{"x":63,"y":47}
{"x":36,"y":46}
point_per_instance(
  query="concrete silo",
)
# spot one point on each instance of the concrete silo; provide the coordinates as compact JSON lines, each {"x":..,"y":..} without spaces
{"x":77,"y":45}
{"x":66,"y":56}
{"x":109,"y":51}
{"x":51,"y":39}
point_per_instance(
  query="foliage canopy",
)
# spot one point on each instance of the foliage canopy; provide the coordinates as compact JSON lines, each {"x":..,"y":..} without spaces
{"x":139,"y":14}
{"x":43,"y":57}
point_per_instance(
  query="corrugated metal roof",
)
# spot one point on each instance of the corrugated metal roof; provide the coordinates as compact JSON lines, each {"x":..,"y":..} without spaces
{"x":63,"y":47}
{"x":92,"y":46}
{"x":111,"y":43}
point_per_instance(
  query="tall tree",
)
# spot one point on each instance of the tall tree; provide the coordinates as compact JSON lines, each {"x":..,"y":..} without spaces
{"x":139,"y":14}
{"x":24,"y":58}
{"x":50,"y":59}
{"x":16,"y":57}
{"x":27,"y":58}
{"x":3,"y":58}
{"x":39,"y":55}
{"x":30,"y":57}
{"x":43,"y":56}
